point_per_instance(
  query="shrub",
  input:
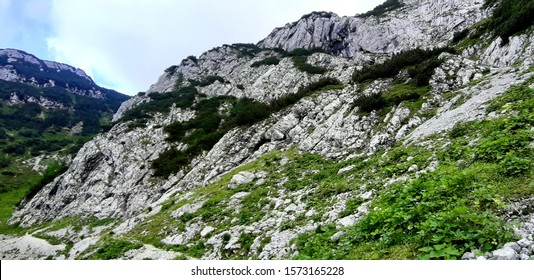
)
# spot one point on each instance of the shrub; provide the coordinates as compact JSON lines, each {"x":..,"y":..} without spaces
{"x":5,"y":160}
{"x":272,"y":60}
{"x":113,"y":249}
{"x":400,"y":93}
{"x":368,"y":103}
{"x":385,"y":7}
{"x":301,"y":64}
{"x":399,"y":61}
{"x":422,"y":73}
{"x":459,"y":36}
{"x":52,"y":171}
{"x":511,"y":17}
{"x":303,"y":52}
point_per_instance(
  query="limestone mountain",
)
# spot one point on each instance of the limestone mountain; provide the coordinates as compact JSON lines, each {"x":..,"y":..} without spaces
{"x":405,"y":132}
{"x":39,"y":96}
{"x":48,"y":110}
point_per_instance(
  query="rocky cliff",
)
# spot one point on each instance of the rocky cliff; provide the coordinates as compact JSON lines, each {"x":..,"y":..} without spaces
{"x":319,"y":167}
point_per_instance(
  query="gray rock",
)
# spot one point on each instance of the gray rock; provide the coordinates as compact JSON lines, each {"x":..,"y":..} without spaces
{"x":525,"y":243}
{"x":513,"y":245}
{"x":338,"y":235}
{"x":525,"y":251}
{"x":207,"y":230}
{"x":468,"y":256}
{"x":348,"y":36}
{"x":345,"y":169}
{"x":505,"y":253}
{"x":241,"y":178}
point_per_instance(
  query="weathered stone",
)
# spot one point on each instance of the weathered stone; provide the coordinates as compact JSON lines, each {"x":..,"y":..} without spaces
{"x":468,"y":256}
{"x":505,"y":253}
{"x":345,"y":169}
{"x":513,"y":245}
{"x":207,"y":230}
{"x":241,"y":178}
{"x":338,"y":235}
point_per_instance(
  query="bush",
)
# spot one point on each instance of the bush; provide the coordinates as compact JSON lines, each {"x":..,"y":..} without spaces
{"x":400,"y":93}
{"x":399,"y":61}
{"x":5,"y":160}
{"x":113,"y":249}
{"x":301,"y":64}
{"x":385,"y":7}
{"x":511,"y":17}
{"x":52,"y":171}
{"x":368,"y":103}
{"x":272,"y":60}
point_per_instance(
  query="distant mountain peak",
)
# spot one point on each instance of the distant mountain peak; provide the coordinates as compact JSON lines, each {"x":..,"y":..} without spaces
{"x":14,"y":55}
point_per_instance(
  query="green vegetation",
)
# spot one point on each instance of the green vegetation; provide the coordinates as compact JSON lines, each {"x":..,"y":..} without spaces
{"x":510,"y":17}
{"x":113,"y":249}
{"x":383,"y":8}
{"x":453,"y":209}
{"x":210,"y":124}
{"x":15,"y":182}
{"x":419,"y":63}
{"x":320,"y":14}
{"x":160,"y":102}
{"x":272,"y":60}
{"x":394,"y":96}
{"x":438,"y":215}
{"x":208,"y":80}
{"x":300,"y":63}
{"x":52,"y":171}
{"x":28,"y":127}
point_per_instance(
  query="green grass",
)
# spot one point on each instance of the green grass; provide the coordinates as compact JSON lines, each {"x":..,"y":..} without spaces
{"x":17,"y":186}
{"x":453,"y":209}
{"x":113,"y":249}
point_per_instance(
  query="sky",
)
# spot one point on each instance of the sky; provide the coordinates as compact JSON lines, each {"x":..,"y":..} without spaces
{"x":126,"y":44}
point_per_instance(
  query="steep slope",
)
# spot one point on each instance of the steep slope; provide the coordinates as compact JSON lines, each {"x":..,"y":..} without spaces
{"x":256,"y":151}
{"x":48,"y":110}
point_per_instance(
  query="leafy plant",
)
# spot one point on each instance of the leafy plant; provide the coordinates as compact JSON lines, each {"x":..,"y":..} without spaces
{"x":113,"y":249}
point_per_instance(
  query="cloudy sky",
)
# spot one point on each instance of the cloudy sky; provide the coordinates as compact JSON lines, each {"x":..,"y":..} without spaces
{"x":126,"y":44}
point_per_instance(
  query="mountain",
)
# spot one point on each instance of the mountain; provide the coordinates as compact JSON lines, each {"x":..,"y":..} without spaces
{"x":48,"y":111}
{"x":401,"y":133}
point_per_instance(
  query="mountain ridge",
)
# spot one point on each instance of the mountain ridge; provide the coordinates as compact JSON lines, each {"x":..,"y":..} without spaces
{"x":327,"y":166}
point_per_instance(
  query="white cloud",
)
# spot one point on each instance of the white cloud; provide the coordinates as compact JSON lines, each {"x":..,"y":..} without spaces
{"x":126,"y":45}
{"x":24,"y":25}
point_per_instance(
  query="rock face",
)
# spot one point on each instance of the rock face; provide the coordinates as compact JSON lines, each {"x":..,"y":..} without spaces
{"x":111,"y":175}
{"x":21,"y":67}
{"x":417,"y":24}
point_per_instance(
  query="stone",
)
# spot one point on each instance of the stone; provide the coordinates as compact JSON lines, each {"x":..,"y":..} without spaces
{"x":345,"y":169}
{"x":506,"y":253}
{"x":338,"y":235}
{"x":513,"y":245}
{"x":524,"y":243}
{"x":241,"y":178}
{"x":207,"y":230}
{"x":413,"y":168}
{"x":525,"y":251}
{"x":292,"y":208}
{"x":348,"y":220}
{"x":468,"y":256}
